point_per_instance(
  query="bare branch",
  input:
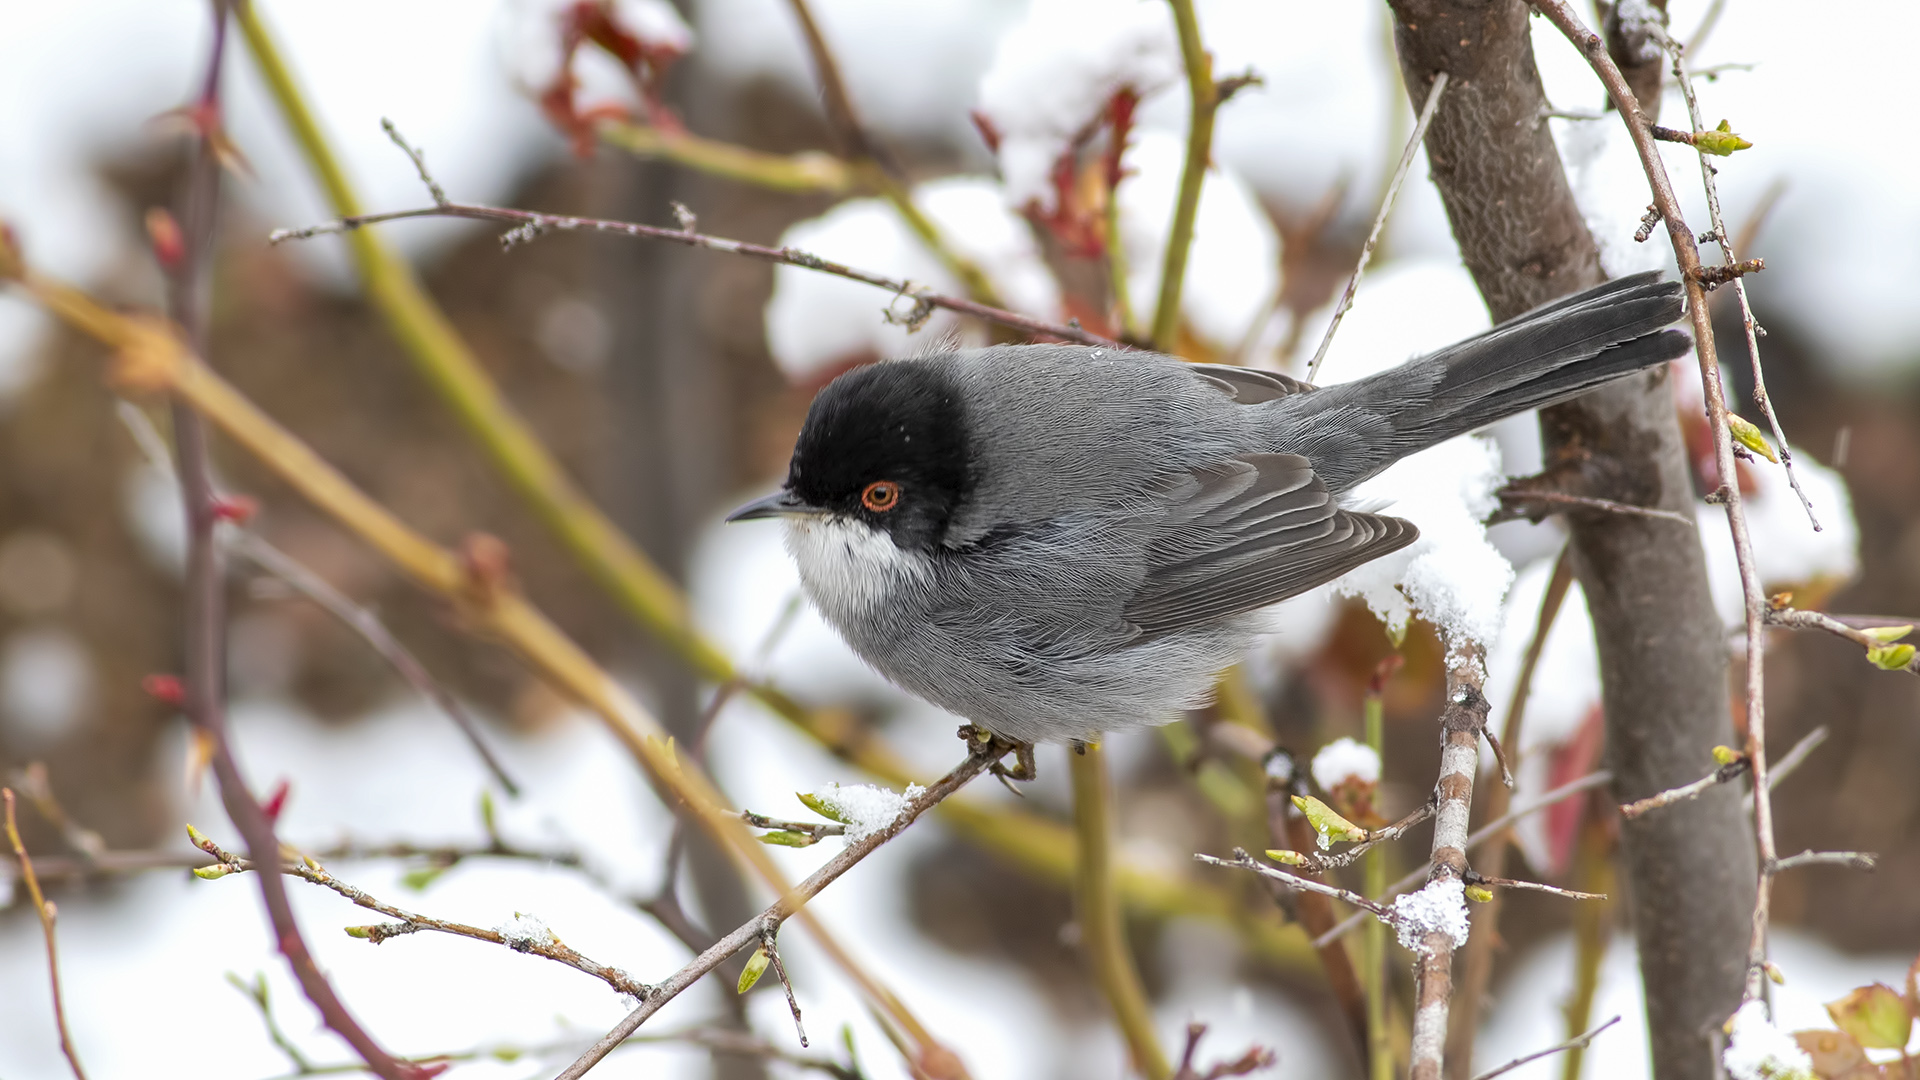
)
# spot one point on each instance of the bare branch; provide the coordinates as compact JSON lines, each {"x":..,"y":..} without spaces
{"x":530,"y":224}
{"x":1585,"y":502}
{"x":1581,"y":1042}
{"x":1732,"y":769}
{"x":1380,"y":219}
{"x":45,"y":909}
{"x":1474,"y":877}
{"x":1796,"y":619}
{"x":1243,"y":861}
{"x":419,"y":160}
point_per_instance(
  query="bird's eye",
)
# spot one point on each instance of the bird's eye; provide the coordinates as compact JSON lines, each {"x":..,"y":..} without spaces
{"x":880,"y":496}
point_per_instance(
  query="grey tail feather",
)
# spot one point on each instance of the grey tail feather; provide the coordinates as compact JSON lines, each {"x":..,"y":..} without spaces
{"x":1546,"y":356}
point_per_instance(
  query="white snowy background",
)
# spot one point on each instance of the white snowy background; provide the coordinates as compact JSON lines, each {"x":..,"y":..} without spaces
{"x":145,"y":960}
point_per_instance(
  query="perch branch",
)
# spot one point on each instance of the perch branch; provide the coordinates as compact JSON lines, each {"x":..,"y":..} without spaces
{"x":754,"y":931}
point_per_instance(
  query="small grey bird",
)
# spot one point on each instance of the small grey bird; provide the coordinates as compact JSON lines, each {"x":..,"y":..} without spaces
{"x":1054,"y":541}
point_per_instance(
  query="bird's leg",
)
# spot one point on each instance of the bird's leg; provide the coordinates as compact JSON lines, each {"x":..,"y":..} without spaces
{"x":995,"y":747}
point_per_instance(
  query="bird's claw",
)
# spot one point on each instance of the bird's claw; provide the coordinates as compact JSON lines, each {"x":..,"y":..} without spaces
{"x":995,"y":748}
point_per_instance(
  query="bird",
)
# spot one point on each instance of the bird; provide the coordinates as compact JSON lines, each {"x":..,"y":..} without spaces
{"x":1058,"y":541}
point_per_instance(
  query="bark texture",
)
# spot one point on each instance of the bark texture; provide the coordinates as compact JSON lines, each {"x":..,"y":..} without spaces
{"x":1689,"y":874}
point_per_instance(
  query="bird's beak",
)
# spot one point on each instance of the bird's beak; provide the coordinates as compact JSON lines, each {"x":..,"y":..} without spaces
{"x":782,"y":503}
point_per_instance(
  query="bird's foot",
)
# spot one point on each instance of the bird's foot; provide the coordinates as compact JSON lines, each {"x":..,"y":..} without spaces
{"x":995,"y":748}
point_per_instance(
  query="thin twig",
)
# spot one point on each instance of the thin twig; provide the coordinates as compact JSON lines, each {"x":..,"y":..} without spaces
{"x":1796,"y":619}
{"x":1204,"y":100}
{"x":1581,"y":1042}
{"x":1687,"y":255}
{"x":1482,"y":835}
{"x":1096,"y":911}
{"x":45,"y":909}
{"x":751,"y":932}
{"x":531,"y":224}
{"x":1729,"y":261}
{"x":419,"y":160}
{"x":1243,"y":861}
{"x":1475,"y":877}
{"x":1858,"y":860}
{"x":1779,"y":770}
{"x":1380,"y":219}
{"x":769,"y":940}
{"x":1587,"y":502}
{"x":537,"y":941}
{"x":1685,"y":792}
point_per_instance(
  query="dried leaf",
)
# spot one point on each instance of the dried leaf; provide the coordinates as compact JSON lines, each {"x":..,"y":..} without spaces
{"x":756,"y":967}
{"x":1834,"y":1053}
{"x":1876,"y":1016}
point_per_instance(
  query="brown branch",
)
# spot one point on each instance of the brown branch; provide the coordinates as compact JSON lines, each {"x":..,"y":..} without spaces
{"x":1580,"y":1042}
{"x":1726,"y":773}
{"x":1380,"y":219}
{"x":537,"y":941}
{"x":1255,"y":1059}
{"x":1477,"y":969}
{"x":1475,"y":877}
{"x":1464,"y":717}
{"x":980,"y":757}
{"x":1243,"y":861}
{"x":1686,"y":253}
{"x":45,"y":909}
{"x":188,"y":301}
{"x":531,"y":224}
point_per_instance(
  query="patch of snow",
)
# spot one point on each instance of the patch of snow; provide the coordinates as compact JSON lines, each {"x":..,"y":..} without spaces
{"x":524,"y":931}
{"x":1054,"y":72}
{"x":1757,"y":1050}
{"x":1439,"y":907}
{"x":866,"y":808}
{"x":46,"y":684}
{"x":1344,"y":759}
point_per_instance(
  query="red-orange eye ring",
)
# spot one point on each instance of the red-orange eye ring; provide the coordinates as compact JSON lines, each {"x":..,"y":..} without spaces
{"x":880,"y":496}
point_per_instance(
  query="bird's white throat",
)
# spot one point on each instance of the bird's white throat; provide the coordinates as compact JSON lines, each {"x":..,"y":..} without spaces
{"x":849,"y":567}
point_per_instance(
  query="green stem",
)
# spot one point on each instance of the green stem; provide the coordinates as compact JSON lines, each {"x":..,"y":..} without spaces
{"x":1097,"y":909}
{"x":1117,"y":272}
{"x":1200,"y":86}
{"x":1373,"y":943}
{"x":803,"y":172}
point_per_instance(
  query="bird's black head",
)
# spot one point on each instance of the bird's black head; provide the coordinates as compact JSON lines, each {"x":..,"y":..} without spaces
{"x":885,"y":444}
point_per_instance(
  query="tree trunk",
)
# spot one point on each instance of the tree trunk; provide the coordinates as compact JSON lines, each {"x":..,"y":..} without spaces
{"x":1690,"y":869}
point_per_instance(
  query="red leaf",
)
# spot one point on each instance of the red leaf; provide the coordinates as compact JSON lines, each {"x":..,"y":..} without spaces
{"x":277,"y":801}
{"x":166,"y":689}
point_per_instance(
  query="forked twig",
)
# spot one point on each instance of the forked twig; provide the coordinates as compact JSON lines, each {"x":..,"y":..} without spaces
{"x":45,"y":909}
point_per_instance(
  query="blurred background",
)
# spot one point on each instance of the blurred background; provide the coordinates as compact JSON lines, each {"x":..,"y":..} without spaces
{"x":670,"y":383}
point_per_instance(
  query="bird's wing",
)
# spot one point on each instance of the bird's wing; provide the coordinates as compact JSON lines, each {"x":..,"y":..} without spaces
{"x":1249,"y":386}
{"x":1248,"y":532}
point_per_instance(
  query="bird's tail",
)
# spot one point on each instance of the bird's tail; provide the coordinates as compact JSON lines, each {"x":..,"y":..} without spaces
{"x":1549,"y":354}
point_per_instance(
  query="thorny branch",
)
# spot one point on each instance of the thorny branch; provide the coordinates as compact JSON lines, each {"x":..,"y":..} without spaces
{"x":1687,"y":255}
{"x":45,"y":909}
{"x":982,"y":754}
{"x":1380,"y":219}
{"x":530,"y":224}
{"x":536,"y":940}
